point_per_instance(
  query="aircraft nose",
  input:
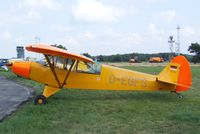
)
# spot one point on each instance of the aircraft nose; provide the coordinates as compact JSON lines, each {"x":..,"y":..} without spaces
{"x":21,"y":68}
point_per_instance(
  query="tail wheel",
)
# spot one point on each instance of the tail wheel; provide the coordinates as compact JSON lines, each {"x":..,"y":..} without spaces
{"x":40,"y":99}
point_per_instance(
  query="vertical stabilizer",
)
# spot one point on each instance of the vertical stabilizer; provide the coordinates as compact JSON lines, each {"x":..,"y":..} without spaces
{"x":177,"y":72}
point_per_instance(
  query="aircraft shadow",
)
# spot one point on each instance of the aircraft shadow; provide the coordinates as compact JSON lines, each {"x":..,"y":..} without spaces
{"x":151,"y":96}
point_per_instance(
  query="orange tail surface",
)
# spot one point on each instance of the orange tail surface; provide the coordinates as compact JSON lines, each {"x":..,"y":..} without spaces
{"x":185,"y":77}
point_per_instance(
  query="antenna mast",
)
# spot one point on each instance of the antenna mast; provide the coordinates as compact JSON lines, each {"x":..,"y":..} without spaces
{"x":171,"y":46}
{"x":178,"y":41}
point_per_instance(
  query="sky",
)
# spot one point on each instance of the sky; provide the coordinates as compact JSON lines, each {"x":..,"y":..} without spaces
{"x":98,"y":26}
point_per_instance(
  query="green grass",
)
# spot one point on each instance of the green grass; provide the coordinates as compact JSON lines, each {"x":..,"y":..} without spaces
{"x":107,"y":112}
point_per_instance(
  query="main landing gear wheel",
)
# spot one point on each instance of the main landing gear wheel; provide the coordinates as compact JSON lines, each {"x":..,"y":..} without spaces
{"x":178,"y":94}
{"x":40,"y":99}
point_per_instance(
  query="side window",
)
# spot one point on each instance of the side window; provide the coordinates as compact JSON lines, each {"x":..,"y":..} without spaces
{"x":67,"y":63}
{"x":81,"y":66}
{"x":58,"y":62}
{"x":63,"y":63}
{"x":84,"y":67}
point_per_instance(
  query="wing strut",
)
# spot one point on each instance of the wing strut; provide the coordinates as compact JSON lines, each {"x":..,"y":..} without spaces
{"x":54,"y":72}
{"x":64,"y":82}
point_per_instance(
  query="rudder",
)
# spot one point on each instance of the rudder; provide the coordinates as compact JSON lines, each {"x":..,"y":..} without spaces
{"x":185,"y":77}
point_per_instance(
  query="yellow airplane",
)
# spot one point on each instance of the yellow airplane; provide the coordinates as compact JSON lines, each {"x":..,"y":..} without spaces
{"x":64,"y":69}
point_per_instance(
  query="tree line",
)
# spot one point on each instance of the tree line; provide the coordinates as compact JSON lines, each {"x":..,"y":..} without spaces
{"x":140,"y":57}
{"x":194,"y":48}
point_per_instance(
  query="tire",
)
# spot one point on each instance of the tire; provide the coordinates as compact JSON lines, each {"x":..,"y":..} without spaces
{"x":40,"y":99}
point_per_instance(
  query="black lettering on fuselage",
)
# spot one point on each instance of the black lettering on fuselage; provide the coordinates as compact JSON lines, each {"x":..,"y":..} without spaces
{"x":127,"y":81}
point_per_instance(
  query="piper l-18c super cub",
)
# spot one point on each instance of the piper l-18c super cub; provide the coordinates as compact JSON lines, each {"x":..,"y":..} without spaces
{"x":63,"y":69}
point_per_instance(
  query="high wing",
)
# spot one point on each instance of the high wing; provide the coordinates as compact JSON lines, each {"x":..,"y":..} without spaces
{"x":50,"y":50}
{"x":53,"y":51}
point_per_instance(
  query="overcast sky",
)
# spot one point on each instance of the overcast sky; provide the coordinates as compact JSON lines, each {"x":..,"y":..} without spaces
{"x":98,"y":26}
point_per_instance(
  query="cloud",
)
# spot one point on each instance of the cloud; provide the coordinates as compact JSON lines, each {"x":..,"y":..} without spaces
{"x":32,"y":15}
{"x":60,"y":28}
{"x":96,"y":11}
{"x":111,"y":41}
{"x":88,"y":35}
{"x":104,"y":42}
{"x":189,"y":31}
{"x":1,"y":24}
{"x":154,"y":1}
{"x":152,"y":28}
{"x":20,"y":39}
{"x":188,"y":35}
{"x":19,"y":18}
{"x":43,"y":4}
{"x":128,"y":38}
{"x":5,"y":35}
{"x":168,"y":15}
{"x":154,"y":33}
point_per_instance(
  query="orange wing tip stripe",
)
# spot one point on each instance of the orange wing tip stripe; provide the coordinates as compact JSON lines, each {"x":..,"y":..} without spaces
{"x":50,"y":50}
{"x":185,"y":77}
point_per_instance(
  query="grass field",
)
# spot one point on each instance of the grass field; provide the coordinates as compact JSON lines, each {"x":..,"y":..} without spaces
{"x":108,"y":112}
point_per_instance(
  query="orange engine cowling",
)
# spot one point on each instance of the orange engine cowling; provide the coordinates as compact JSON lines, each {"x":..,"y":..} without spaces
{"x":21,"y":68}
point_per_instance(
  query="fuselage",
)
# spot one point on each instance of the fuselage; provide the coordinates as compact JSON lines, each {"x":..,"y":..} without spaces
{"x":109,"y":78}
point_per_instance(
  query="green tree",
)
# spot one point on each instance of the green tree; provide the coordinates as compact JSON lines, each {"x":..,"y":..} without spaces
{"x":100,"y":58}
{"x":88,"y":55}
{"x":195,"y":49}
{"x":59,"y":46}
{"x":116,"y":58}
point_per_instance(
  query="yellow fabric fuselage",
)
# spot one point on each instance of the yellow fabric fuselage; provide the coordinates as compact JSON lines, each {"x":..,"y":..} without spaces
{"x":110,"y":78}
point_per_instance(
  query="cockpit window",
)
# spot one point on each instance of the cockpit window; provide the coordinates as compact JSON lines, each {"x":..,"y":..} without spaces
{"x":79,"y":66}
{"x":58,"y":62}
{"x":91,"y":68}
{"x":63,"y":63}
